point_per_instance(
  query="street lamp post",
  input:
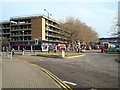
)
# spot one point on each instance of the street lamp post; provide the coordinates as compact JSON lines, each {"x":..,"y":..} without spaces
{"x":23,"y":44}
{"x":23,"y":37}
{"x":48,"y":26}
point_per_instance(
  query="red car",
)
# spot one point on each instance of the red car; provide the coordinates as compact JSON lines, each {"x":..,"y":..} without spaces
{"x":88,"y":47}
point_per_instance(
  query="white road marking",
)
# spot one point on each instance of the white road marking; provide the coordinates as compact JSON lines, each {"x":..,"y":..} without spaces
{"x":70,"y":83}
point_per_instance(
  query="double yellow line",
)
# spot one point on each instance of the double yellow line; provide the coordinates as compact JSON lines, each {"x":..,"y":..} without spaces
{"x":59,"y":81}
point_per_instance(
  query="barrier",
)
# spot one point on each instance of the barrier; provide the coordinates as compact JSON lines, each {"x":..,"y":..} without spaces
{"x":7,"y":55}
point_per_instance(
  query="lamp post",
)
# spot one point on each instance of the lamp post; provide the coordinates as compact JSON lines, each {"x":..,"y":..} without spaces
{"x":48,"y":26}
{"x":23,"y":44}
{"x":23,"y":37}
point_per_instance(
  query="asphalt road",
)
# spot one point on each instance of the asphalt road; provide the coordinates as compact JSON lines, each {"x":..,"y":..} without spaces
{"x":94,"y":70}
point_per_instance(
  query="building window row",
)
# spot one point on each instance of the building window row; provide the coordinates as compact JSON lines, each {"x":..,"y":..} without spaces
{"x":20,"y":39}
{"x":5,"y":26}
{"x":20,"y":22}
{"x":55,"y":39}
{"x":21,"y":33}
{"x":22,"y":27}
{"x":56,"y":30}
{"x":56,"y":35}
{"x":5,"y":36}
{"x":51,"y":23}
{"x":6,"y":32}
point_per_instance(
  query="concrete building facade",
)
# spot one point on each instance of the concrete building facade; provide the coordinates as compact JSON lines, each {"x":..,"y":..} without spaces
{"x":34,"y":33}
{"x":4,"y":35}
{"x":5,"y":30}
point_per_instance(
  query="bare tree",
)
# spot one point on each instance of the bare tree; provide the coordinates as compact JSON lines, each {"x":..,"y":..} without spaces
{"x":5,"y":42}
{"x":114,"y":28}
{"x":79,"y":30}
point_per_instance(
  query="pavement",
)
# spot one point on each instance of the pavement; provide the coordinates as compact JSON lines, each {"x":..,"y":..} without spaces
{"x":20,"y":74}
{"x":0,"y":78}
{"x":0,"y":72}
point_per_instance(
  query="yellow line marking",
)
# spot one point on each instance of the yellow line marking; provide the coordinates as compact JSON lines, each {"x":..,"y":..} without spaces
{"x":65,"y":86}
{"x":70,"y":83}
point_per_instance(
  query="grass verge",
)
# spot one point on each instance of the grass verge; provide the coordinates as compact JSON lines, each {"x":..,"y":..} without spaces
{"x":59,"y":54}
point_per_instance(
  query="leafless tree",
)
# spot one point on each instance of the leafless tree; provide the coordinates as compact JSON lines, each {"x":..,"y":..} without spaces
{"x":114,"y":28}
{"x":5,"y":42}
{"x":79,"y":30}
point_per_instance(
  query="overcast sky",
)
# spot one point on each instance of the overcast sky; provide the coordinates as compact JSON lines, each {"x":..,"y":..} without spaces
{"x":99,"y":14}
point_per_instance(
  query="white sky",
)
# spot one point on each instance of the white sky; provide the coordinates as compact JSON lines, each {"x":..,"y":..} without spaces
{"x":99,"y":14}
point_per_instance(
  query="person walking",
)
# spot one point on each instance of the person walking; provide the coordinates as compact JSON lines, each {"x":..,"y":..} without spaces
{"x":13,"y":51}
{"x":23,"y":51}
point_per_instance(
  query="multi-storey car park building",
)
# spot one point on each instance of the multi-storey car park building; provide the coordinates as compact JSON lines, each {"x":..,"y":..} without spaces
{"x":5,"y":33}
{"x":34,"y":33}
{"x":5,"y":30}
{"x":110,"y":40}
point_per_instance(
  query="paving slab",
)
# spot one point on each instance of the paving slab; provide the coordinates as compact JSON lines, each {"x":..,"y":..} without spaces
{"x":18,"y":74}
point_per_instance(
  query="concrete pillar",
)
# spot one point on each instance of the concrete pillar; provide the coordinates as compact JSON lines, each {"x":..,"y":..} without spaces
{"x":18,"y":48}
{"x":31,"y":48}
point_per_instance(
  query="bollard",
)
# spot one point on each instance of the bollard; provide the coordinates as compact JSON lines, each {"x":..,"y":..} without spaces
{"x":63,"y":53}
{"x":23,"y":53}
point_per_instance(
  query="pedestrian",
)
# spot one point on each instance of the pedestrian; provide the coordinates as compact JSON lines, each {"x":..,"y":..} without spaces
{"x":102,"y":50}
{"x":105,"y":50}
{"x":23,"y":51}
{"x":13,"y":51}
{"x":78,"y":49}
{"x":55,"y":49}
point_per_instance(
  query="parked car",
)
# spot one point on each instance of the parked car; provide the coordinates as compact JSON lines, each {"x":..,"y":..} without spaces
{"x":97,"y":47}
{"x":118,"y":49}
{"x":82,"y":50}
{"x":88,"y":47}
{"x":112,"y":50}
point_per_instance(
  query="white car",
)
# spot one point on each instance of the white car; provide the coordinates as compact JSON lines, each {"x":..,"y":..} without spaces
{"x":82,"y":50}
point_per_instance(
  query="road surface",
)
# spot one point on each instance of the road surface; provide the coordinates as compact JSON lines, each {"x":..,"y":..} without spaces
{"x":94,"y":70}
